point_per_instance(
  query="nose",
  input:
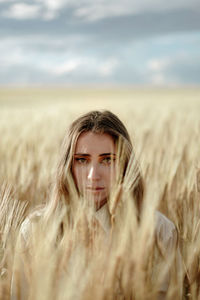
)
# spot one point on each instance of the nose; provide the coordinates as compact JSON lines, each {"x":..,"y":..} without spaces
{"x":93,"y":173}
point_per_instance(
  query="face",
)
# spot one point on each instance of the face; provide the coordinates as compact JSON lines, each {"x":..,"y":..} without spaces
{"x":93,"y":166}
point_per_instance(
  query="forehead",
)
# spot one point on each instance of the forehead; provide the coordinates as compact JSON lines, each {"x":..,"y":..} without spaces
{"x":90,"y":142}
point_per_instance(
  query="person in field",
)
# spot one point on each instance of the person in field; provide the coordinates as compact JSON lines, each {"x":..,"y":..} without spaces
{"x":96,"y":157}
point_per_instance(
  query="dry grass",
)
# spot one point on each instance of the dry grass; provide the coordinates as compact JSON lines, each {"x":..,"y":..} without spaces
{"x":164,"y":126}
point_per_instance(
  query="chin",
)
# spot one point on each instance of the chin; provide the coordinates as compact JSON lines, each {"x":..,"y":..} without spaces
{"x":100,"y":203}
{"x":98,"y":199}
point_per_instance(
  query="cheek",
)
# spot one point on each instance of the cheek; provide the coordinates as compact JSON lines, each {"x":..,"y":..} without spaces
{"x":109,"y":175}
{"x":78,"y":174}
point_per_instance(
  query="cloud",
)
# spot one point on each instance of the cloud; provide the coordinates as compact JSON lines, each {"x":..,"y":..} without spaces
{"x":108,"y":67}
{"x":158,"y":65}
{"x":51,"y":8}
{"x":184,"y":69}
{"x":80,"y":66}
{"x":22,"y":11}
{"x":92,"y":11}
{"x":95,"y":10}
{"x":86,"y":41}
{"x":111,"y":32}
{"x":6,"y":1}
{"x":175,"y":70}
{"x":158,"y":80}
{"x":51,"y":64}
{"x":63,"y":68}
{"x":53,"y":4}
{"x":73,"y":60}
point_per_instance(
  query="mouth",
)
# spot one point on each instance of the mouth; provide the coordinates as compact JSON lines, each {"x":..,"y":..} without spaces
{"x":98,"y":188}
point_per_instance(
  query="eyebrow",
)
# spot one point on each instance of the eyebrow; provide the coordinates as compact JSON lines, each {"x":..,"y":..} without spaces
{"x":103,"y":154}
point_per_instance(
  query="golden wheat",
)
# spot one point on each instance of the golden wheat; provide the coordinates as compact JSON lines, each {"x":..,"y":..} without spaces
{"x":85,"y":264}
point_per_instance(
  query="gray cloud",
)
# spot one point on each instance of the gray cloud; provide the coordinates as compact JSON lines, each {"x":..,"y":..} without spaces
{"x":90,"y":10}
{"x":119,"y":29}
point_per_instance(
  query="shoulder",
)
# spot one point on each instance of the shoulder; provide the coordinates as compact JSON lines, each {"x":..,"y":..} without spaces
{"x":166,"y":233}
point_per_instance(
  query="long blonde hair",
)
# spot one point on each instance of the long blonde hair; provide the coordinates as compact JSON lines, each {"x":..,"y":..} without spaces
{"x":98,"y":122}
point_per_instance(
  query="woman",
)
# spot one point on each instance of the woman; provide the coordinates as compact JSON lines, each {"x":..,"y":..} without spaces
{"x":97,"y":167}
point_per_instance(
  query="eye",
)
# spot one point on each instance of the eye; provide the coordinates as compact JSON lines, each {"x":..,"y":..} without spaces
{"x":107,"y":160}
{"x":81,"y":160}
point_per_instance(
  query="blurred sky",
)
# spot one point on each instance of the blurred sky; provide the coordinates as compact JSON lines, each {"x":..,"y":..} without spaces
{"x":100,"y":42}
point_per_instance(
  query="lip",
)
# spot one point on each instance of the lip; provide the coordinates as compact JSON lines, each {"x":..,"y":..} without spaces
{"x":98,"y":188}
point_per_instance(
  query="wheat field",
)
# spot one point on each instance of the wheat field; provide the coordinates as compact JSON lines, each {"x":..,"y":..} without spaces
{"x":164,"y":126}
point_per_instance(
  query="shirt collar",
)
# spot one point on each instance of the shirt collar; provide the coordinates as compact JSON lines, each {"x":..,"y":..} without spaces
{"x":103,"y":216}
